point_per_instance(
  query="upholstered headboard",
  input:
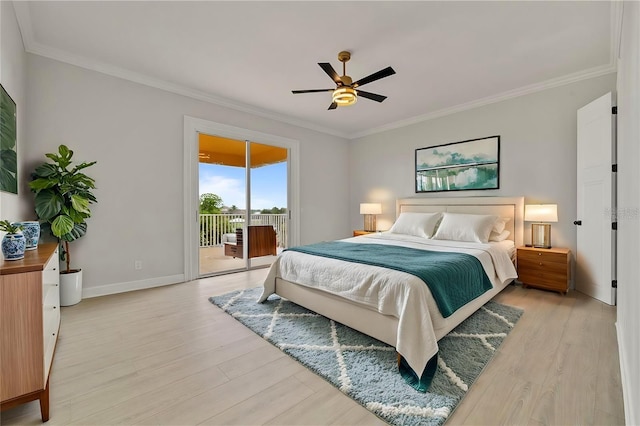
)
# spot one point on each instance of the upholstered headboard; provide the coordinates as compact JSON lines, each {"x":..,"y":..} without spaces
{"x":512,"y":207}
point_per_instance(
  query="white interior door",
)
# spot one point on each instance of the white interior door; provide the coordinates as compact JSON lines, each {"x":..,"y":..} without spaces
{"x":595,"y":199}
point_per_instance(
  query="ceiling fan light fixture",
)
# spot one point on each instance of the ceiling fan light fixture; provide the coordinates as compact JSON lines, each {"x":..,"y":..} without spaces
{"x":345,"y":93}
{"x":345,"y":96}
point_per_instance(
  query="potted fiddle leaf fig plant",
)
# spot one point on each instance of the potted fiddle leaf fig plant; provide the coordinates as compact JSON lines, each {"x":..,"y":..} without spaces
{"x":63,"y":195}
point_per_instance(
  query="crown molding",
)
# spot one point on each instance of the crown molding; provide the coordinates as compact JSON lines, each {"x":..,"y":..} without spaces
{"x":83,"y":62}
{"x":23,"y":17}
{"x":617,"y":8}
{"x":615,"y":17}
{"x":31,"y":46}
{"x":533,"y":88}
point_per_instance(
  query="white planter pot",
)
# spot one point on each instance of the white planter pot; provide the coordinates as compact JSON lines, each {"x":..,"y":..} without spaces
{"x":70,"y":288}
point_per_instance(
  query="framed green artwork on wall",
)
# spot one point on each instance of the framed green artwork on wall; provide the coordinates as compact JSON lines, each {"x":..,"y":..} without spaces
{"x":459,"y":166}
{"x":8,"y":144}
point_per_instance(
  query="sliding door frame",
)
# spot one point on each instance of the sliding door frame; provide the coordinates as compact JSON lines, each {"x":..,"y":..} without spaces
{"x":192,"y":128}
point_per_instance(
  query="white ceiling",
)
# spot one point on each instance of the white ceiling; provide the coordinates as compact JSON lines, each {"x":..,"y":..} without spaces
{"x":448,"y":56}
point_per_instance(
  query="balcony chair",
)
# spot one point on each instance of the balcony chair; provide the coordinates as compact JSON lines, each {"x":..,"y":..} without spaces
{"x":262,"y":242}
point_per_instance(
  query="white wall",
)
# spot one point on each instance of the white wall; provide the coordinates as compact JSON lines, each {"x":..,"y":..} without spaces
{"x":13,"y":78}
{"x":135,"y":133}
{"x":628,"y":320}
{"x":537,"y":154}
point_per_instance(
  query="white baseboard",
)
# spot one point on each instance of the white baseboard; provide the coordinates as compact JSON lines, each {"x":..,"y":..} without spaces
{"x":630,"y":416}
{"x":104,"y":290}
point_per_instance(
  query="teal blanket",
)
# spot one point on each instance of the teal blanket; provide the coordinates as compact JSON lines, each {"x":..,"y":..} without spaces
{"x":439,"y":270}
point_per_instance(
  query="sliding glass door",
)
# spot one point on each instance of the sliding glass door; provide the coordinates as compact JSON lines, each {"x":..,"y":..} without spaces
{"x":243,"y":204}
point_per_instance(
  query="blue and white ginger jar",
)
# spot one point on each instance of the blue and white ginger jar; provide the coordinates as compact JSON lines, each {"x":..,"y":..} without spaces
{"x":31,"y":232}
{"x":13,"y":246}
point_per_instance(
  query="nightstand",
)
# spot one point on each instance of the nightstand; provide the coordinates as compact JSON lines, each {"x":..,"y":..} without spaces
{"x":548,"y":269}
{"x":359,"y":232}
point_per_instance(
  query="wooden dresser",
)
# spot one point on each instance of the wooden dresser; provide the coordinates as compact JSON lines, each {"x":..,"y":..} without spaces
{"x":549,"y":269}
{"x":29,"y":325}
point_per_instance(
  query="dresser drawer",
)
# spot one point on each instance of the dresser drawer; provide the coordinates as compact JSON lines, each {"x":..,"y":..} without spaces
{"x":51,"y":272}
{"x":52,"y":299}
{"x":557,"y":281}
{"x":542,"y":256}
{"x":542,"y":266}
{"x":51,"y":326}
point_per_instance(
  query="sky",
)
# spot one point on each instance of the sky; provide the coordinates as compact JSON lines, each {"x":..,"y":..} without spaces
{"x":268,"y":185}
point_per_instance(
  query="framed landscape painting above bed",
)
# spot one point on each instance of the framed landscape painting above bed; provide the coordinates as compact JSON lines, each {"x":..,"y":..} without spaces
{"x":467,"y":165}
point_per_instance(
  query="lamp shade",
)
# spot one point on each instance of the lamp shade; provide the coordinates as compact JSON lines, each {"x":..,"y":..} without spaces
{"x":370,"y":208}
{"x":541,"y":212}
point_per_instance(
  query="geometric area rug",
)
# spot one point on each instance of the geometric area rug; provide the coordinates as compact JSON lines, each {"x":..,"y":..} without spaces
{"x":366,"y":369}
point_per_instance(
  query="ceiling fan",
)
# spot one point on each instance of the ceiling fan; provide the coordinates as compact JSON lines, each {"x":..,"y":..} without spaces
{"x":347,"y":92}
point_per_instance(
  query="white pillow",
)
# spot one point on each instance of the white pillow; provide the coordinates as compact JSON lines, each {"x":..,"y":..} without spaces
{"x":501,"y":222}
{"x":418,"y":224}
{"x":465,"y":227}
{"x":494,"y":236}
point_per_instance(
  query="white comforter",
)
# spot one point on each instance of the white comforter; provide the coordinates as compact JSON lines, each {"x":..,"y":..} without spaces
{"x":387,"y":291}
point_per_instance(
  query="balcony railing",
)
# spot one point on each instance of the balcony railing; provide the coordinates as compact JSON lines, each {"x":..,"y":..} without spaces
{"x":214,"y":226}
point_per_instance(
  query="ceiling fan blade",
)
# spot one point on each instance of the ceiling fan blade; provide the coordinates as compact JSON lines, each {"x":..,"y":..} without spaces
{"x":372,"y":96}
{"x":295,"y":92}
{"x":333,"y":105}
{"x":373,"y":77}
{"x":326,"y":66}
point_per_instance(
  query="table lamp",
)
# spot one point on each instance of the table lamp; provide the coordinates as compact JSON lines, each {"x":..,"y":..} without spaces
{"x":541,"y":214}
{"x":370,"y":210}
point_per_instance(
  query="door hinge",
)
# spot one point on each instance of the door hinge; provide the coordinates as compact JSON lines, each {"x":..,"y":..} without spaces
{"x":614,"y":168}
{"x":614,"y":283}
{"x":614,"y":110}
{"x":614,"y":226}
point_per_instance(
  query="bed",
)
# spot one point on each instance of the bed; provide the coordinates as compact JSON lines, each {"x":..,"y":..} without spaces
{"x":391,"y":305}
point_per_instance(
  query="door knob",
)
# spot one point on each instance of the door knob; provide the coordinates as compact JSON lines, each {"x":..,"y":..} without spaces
{"x":577,"y":222}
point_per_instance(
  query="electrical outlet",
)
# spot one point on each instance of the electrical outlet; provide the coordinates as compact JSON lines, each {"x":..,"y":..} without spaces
{"x":138,"y":264}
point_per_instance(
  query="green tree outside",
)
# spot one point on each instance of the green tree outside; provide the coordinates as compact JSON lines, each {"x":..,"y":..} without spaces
{"x":210,"y":203}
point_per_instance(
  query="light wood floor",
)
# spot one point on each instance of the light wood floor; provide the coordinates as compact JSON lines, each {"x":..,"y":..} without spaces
{"x":167,"y":356}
